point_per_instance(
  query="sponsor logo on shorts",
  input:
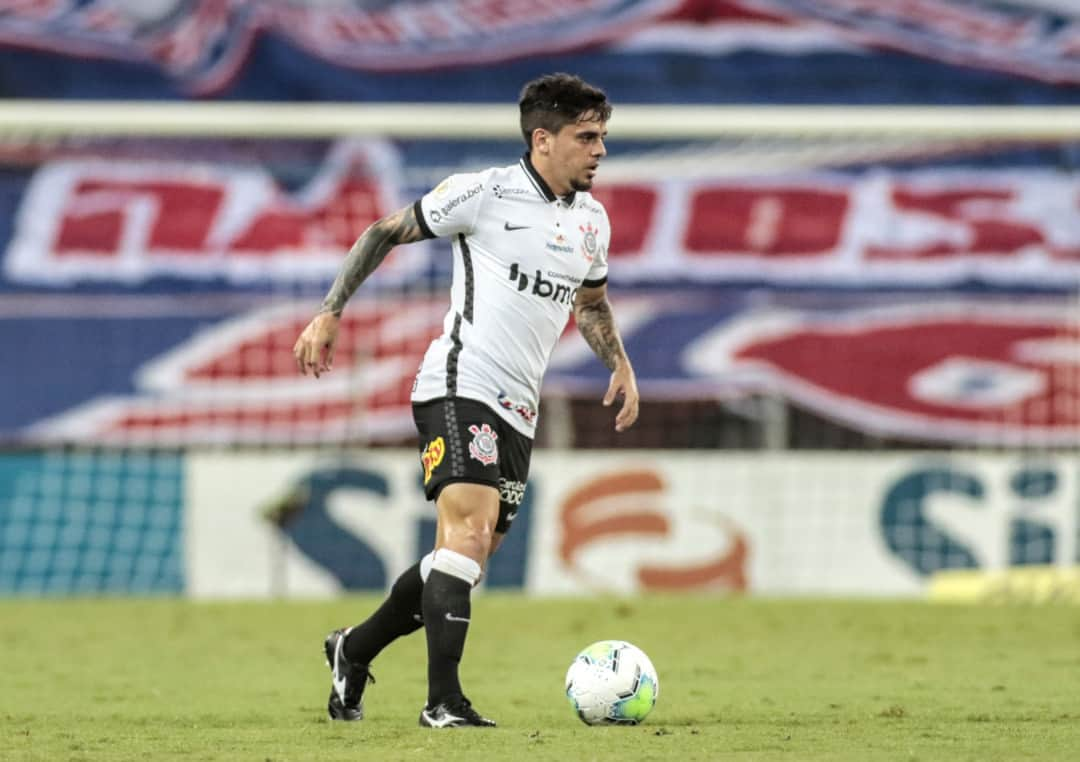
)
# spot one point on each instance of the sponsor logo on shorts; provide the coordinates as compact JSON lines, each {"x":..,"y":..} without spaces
{"x":483,"y":447}
{"x":432,"y":457}
{"x":512,"y":493}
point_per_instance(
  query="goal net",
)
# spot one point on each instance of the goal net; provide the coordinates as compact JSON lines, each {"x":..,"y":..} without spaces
{"x":822,"y":278}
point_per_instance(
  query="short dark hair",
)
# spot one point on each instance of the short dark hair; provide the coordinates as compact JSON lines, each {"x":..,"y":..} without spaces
{"x":556,"y":100}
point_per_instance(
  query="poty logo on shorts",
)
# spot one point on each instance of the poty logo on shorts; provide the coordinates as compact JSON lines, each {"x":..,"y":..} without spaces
{"x":432,"y":457}
{"x":483,"y":447}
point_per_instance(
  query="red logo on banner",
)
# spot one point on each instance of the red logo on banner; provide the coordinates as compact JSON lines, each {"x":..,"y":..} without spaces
{"x":237,"y":382}
{"x":629,"y":504}
{"x":953,"y":371}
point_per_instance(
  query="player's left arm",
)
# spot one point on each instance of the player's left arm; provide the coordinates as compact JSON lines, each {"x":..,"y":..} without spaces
{"x":596,"y":321}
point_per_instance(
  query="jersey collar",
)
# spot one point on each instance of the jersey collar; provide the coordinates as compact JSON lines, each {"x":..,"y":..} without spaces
{"x":541,"y":184}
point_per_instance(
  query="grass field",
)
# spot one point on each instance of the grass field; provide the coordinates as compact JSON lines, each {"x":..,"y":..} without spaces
{"x":739,"y":679}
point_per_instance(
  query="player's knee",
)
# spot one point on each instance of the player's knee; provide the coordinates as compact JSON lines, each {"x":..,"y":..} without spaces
{"x":471,"y":538}
{"x":468,"y":514}
{"x":474,"y":541}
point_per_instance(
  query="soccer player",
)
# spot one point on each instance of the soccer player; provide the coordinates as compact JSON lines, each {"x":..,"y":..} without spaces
{"x":530,"y":245}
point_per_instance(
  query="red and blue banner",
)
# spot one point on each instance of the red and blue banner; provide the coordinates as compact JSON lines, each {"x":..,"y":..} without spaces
{"x":127,"y":214}
{"x":154,"y":291}
{"x":913,"y":51}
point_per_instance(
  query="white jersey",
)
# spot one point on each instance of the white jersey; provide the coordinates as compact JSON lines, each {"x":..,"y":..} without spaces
{"x":520,"y":254}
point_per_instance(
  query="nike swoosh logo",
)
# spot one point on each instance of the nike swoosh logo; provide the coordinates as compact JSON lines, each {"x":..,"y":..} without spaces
{"x":451,"y":618}
{"x":508,"y":226}
{"x":339,"y":684}
{"x":446,"y":720}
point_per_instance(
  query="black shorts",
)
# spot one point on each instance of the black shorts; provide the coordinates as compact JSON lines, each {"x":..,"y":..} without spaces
{"x":462,"y":440}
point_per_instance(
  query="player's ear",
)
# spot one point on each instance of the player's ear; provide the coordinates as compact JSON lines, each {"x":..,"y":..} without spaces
{"x":541,"y":141}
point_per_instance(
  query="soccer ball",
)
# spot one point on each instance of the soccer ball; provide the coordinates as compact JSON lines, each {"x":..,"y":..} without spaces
{"x":612,"y":682}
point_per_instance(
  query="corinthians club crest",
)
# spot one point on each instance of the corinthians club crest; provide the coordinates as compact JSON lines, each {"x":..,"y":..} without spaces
{"x":483,"y":447}
{"x":588,"y":243}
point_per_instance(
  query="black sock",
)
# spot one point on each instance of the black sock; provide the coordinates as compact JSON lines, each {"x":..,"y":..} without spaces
{"x":398,"y":615}
{"x":446,"y":619}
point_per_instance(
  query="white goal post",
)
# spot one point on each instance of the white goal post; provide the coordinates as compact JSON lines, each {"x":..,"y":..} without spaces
{"x":36,"y":119}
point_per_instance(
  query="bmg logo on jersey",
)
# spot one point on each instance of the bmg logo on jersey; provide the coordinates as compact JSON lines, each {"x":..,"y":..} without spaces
{"x":560,"y":293}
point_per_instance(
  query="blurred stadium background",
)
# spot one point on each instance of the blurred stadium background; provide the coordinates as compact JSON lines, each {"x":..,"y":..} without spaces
{"x":846,"y":263}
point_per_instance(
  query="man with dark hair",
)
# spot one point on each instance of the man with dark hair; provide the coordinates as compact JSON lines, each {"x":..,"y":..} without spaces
{"x":554,"y":101}
{"x":530,"y":245}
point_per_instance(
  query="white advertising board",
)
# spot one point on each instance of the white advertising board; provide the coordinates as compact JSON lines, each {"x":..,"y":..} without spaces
{"x":309,"y":524}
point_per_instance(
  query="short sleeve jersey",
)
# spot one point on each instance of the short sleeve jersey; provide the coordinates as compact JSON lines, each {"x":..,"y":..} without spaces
{"x":520,"y":254}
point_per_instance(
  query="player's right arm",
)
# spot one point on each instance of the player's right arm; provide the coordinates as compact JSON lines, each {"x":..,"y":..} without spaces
{"x":314,"y":349}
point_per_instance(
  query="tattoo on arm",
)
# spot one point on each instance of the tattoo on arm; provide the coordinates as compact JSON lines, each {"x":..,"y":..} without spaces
{"x":597,"y":324}
{"x":368,"y":252}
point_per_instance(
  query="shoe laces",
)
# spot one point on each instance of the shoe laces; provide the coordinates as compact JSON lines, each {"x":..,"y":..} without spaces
{"x":356,"y":679}
{"x":463,"y":708}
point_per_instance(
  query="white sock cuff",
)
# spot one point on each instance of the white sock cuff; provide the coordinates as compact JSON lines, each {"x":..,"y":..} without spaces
{"x":456,"y":565}
{"x":425,"y":565}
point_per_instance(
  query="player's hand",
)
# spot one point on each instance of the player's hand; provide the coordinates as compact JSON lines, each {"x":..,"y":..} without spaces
{"x":314,"y":350}
{"x":623,"y":384}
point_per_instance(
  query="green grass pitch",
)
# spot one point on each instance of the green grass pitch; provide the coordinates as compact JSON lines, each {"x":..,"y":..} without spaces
{"x":746,"y":679}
